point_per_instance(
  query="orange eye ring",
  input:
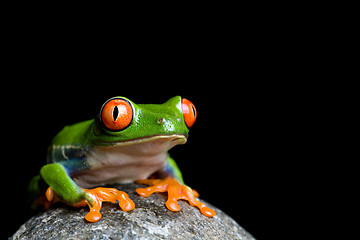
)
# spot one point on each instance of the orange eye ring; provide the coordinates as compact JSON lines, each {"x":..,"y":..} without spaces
{"x":116,"y":114}
{"x":189,"y":112}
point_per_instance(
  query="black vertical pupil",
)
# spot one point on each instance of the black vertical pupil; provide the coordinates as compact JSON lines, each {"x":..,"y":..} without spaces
{"x":115,"y":113}
{"x":193,"y":109}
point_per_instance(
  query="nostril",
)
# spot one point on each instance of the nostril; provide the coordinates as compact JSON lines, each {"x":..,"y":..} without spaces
{"x":161,"y":120}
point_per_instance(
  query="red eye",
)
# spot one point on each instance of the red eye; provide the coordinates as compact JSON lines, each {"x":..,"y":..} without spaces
{"x":189,"y":112}
{"x":117,"y":114}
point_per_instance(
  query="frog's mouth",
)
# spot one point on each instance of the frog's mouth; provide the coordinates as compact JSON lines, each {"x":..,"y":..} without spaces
{"x":173,"y":139}
{"x":151,"y":146}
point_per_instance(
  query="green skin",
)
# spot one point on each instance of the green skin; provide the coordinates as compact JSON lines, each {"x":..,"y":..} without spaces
{"x":71,"y":154}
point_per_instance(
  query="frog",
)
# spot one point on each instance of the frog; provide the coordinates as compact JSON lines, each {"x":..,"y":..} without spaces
{"x":126,"y":142}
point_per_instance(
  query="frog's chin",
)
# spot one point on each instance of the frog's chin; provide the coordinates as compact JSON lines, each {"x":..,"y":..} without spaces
{"x":127,"y":161}
{"x":175,"y":139}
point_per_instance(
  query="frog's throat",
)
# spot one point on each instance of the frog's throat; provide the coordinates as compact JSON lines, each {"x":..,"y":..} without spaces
{"x":179,"y":138}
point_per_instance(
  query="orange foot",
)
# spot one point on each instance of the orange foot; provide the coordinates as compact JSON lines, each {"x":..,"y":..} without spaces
{"x":175,"y":191}
{"x":96,"y":197}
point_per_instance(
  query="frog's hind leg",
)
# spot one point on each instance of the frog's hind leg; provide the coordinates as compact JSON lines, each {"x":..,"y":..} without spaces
{"x":36,"y":198}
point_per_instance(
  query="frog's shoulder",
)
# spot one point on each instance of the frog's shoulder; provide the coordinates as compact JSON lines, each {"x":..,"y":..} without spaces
{"x":74,"y":134}
{"x":60,"y":153}
{"x":70,"y":142}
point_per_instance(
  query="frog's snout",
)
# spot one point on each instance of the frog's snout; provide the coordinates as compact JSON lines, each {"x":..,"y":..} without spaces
{"x":161,"y":121}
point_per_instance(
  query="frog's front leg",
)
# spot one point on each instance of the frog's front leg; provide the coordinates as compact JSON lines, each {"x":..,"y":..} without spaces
{"x":173,"y":184}
{"x":63,"y":188}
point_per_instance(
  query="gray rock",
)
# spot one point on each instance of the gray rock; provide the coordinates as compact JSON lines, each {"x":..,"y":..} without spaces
{"x":149,"y":220}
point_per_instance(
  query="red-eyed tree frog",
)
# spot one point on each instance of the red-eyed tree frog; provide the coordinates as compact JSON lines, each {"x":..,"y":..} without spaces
{"x":127,"y":142}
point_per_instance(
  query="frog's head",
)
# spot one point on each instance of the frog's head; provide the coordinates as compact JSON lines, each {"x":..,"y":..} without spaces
{"x":121,"y":121}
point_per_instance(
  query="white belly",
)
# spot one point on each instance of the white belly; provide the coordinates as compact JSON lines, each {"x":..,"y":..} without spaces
{"x":125,"y":162}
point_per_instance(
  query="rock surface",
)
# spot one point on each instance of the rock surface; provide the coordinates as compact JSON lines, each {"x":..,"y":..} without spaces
{"x":149,"y":220}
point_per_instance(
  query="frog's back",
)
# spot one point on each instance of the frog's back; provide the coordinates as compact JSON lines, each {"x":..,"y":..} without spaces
{"x":69,"y":142}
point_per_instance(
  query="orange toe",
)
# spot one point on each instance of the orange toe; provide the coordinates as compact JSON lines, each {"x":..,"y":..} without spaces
{"x":196,"y":194}
{"x":94,"y":198}
{"x":49,"y":194}
{"x":176,"y":191}
{"x":99,"y":195}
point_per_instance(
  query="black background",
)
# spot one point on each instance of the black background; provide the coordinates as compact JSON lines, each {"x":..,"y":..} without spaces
{"x":248,"y":151}
{"x":237,"y":155}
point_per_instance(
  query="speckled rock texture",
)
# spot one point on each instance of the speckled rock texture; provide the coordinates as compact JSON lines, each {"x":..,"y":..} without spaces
{"x":149,"y":220}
